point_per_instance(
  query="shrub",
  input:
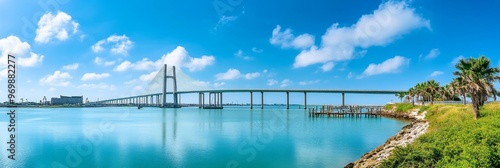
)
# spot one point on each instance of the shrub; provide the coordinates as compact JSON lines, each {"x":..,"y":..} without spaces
{"x":454,"y":139}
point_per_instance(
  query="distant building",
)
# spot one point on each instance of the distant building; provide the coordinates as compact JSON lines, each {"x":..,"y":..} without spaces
{"x":71,"y":100}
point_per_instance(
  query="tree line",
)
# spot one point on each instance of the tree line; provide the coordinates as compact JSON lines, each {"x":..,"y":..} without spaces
{"x":474,"y":78}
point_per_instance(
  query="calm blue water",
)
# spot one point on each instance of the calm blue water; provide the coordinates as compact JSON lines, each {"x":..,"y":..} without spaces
{"x":188,"y":137}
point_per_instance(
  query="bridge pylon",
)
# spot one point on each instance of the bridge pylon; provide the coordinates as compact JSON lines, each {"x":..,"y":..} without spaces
{"x":174,"y":92}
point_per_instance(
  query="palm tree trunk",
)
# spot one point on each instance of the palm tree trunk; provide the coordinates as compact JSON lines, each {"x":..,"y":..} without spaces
{"x":465,"y":101}
{"x":476,"y":113}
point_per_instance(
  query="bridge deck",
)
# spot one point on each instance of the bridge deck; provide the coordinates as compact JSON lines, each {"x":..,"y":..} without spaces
{"x":269,"y":91}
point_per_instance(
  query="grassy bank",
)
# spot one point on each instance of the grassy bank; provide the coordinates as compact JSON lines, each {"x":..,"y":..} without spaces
{"x":454,"y":139}
{"x":400,"y":107}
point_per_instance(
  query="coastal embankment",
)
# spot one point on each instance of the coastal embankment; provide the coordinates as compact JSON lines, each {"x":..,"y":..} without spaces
{"x":407,"y":135}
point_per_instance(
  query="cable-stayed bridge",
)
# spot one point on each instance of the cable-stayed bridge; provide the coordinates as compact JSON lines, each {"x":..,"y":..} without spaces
{"x":157,"y":92}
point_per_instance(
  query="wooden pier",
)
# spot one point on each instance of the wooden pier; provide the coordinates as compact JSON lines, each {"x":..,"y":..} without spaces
{"x":345,"y":111}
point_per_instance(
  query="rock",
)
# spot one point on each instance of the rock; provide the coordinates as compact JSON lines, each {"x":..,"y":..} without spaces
{"x":407,"y":135}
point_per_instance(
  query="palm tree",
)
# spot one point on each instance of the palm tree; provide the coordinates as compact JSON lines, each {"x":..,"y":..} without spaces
{"x":445,"y":92}
{"x":422,"y":91}
{"x":432,"y":88}
{"x":401,"y":95}
{"x":411,"y":93}
{"x":477,"y":77}
{"x":457,"y":88}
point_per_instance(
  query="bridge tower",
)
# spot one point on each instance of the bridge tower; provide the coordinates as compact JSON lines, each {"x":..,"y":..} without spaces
{"x":174,"y":92}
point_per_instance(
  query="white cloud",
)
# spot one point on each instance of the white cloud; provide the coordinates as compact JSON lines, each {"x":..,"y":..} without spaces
{"x":21,"y":50}
{"x":97,"y":47}
{"x":71,"y":66}
{"x":197,"y":64}
{"x":32,"y":60}
{"x":144,"y":64}
{"x":432,"y":54}
{"x":392,"y":65}
{"x":286,"y":39}
{"x":120,"y":45}
{"x":252,"y":75}
{"x":386,"y":24}
{"x":57,"y":79}
{"x":435,"y":73}
{"x":178,"y":57}
{"x":102,"y":86}
{"x":303,"y":41}
{"x":52,"y":89}
{"x":94,"y":76}
{"x":456,"y":60}
{"x":256,"y":50}
{"x":327,"y":67}
{"x":241,"y":55}
{"x":272,"y":82}
{"x":285,"y":83}
{"x":100,"y":61}
{"x":148,"y":77}
{"x":59,"y":26}
{"x":219,"y":84}
{"x":125,"y":65}
{"x":303,"y":83}
{"x":230,"y":74}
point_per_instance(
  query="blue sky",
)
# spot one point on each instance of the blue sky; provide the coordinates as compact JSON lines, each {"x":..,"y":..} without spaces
{"x":107,"y":49}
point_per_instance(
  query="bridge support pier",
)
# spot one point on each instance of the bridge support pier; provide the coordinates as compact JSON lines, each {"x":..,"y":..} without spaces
{"x":287,"y":100}
{"x":251,"y":100}
{"x":217,"y":100}
{"x":201,"y":100}
{"x":343,"y":99}
{"x":261,"y":100}
{"x":305,"y":100}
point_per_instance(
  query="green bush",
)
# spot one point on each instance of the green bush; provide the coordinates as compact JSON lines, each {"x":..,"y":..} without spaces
{"x":454,"y":139}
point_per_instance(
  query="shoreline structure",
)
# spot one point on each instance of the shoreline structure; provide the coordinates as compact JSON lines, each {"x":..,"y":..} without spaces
{"x":407,"y":135}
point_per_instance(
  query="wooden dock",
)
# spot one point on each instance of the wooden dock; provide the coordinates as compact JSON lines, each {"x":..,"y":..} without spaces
{"x":345,"y":111}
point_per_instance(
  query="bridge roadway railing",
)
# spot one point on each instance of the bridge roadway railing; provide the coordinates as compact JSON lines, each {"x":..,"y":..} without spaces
{"x":157,"y":97}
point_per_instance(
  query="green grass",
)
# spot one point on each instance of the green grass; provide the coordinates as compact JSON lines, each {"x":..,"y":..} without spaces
{"x":423,"y":108}
{"x":454,"y":139}
{"x":400,"y":107}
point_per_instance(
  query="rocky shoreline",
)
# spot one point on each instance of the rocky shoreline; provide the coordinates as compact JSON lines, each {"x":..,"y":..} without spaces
{"x":407,"y":135}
